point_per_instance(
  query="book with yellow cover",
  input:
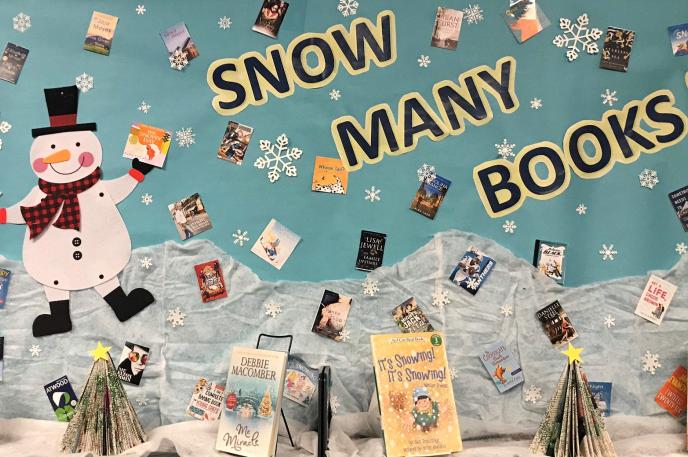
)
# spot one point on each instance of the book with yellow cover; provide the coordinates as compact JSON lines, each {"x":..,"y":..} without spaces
{"x":329,"y":175}
{"x":414,"y":389}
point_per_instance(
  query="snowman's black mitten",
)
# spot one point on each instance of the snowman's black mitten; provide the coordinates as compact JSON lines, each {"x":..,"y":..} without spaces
{"x":144,"y":168}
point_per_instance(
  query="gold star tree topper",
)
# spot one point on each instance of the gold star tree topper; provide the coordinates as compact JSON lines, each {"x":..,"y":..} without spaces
{"x":100,"y":352}
{"x":573,"y":354}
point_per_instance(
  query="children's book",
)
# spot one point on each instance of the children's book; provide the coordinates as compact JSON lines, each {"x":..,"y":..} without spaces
{"x":430,"y":196}
{"x":211,"y":281}
{"x":679,"y":199}
{"x":618,"y":44}
{"x":525,"y":19}
{"x":62,"y":398}
{"x":301,"y":381}
{"x":549,"y":259}
{"x":672,"y":395}
{"x":148,"y":144}
{"x":678,"y":34}
{"x":332,"y":314}
{"x":371,"y":250}
{"x":275,"y":244}
{"x":472,"y":270}
{"x":602,"y":394}
{"x":5,"y":278}
{"x":132,"y":362}
{"x":206,"y":401}
{"x":235,"y":142}
{"x":190,"y":216}
{"x":445,"y":33}
{"x":100,"y":32}
{"x":329,"y":176}
{"x":655,"y":299}
{"x":556,"y":324}
{"x":270,"y":17}
{"x":251,"y":415}
{"x":12,"y":62}
{"x":414,"y":390}
{"x":178,"y":37}
{"x":502,"y":366}
{"x":410,"y":318}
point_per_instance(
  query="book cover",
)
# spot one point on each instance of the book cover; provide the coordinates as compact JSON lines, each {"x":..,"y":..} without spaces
{"x":178,"y":37}
{"x":12,"y":62}
{"x":618,"y":44}
{"x":270,"y":17}
{"x":332,"y":314}
{"x":190,"y":216}
{"x":525,"y":19}
{"x":132,"y":362}
{"x":62,"y":398}
{"x":148,"y":144}
{"x":502,"y":366}
{"x":5,"y":278}
{"x":430,"y":196}
{"x":371,"y":250}
{"x":679,"y":199}
{"x":556,"y":324}
{"x":235,"y":142}
{"x":2,"y":356}
{"x":301,"y":381}
{"x":445,"y":32}
{"x":678,"y":34}
{"x":602,"y":394}
{"x":655,"y":299}
{"x":549,"y":259}
{"x":410,"y":318}
{"x":329,"y":176}
{"x":251,"y":413}
{"x":414,"y":389}
{"x":206,"y":401}
{"x":101,"y":31}
{"x":672,"y":395}
{"x":211,"y":281}
{"x":275,"y":244}
{"x":472,"y":270}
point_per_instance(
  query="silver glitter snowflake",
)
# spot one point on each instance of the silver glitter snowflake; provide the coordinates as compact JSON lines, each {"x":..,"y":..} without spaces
{"x":509,"y":227}
{"x":506,"y":310}
{"x":370,"y":287}
{"x":648,"y":178}
{"x":440,"y":298}
{"x":335,"y":94}
{"x":347,"y":7}
{"x":532,"y":394}
{"x":146,"y":199}
{"x":240,"y":237}
{"x":5,"y":127}
{"x":140,"y":9}
{"x":505,"y":149}
{"x":0,"y":144}
{"x":344,"y":335}
{"x":581,"y":209}
{"x":278,"y":158}
{"x":424,"y":61}
{"x":608,"y":252}
{"x":610,"y":321}
{"x":453,"y":373}
{"x":84,"y":82}
{"x":185,"y":137}
{"x":473,"y":283}
{"x":178,"y":59}
{"x":146,"y":263}
{"x":372,"y":194}
{"x":609,"y":97}
{"x":473,"y":14}
{"x":272,"y":309}
{"x":536,"y":103}
{"x":176,"y":317}
{"x":224,"y":23}
{"x":142,"y":401}
{"x":650,"y":362}
{"x":144,"y":107}
{"x":681,"y":248}
{"x":21,"y":22}
{"x":426,"y":173}
{"x":576,"y":35}
{"x":35,"y":350}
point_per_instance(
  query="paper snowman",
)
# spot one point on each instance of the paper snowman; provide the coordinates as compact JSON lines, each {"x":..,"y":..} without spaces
{"x":75,"y":237}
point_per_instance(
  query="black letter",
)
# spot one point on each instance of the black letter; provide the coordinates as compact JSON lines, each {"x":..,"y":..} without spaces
{"x":378,"y":119}
{"x":499,"y":86}
{"x":223,"y":84}
{"x":504,"y":183}
{"x":298,"y":65}
{"x":365,"y":36}
{"x":627,"y":131}
{"x":665,"y":118}
{"x":448,"y":94}
{"x":557,"y":163}
{"x":575,"y":151}
{"x":279,"y":82}
{"x":428,"y":123}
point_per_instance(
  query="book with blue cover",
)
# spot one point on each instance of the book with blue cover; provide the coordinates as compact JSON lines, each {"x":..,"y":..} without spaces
{"x":5,"y":277}
{"x":678,"y":34}
{"x":602,"y":394}
{"x":502,"y":366}
{"x":62,"y":398}
{"x":472,"y":270}
{"x":430,"y":196}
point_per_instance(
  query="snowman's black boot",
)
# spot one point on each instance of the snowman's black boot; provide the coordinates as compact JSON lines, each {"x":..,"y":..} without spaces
{"x":126,"y":306}
{"x":58,"y":321}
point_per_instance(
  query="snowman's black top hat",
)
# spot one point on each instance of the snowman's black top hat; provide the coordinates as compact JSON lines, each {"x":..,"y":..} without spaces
{"x":63,"y":103}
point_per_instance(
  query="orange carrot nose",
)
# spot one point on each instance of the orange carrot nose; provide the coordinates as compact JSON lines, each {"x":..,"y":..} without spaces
{"x":57,"y":157}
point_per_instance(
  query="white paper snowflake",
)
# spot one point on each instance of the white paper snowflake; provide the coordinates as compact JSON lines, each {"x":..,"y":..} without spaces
{"x":440,"y":298}
{"x":344,"y":335}
{"x":35,"y":350}
{"x":146,"y":199}
{"x":505,"y":149}
{"x":473,"y":283}
{"x":509,"y":226}
{"x":84,"y":82}
{"x":536,"y":103}
{"x":347,"y":7}
{"x":185,"y":137}
{"x":650,"y":362}
{"x":146,"y":263}
{"x":334,"y":404}
{"x":335,"y":94}
{"x":5,"y":126}
{"x":577,"y":34}
{"x":648,"y":178}
{"x":532,"y":394}
{"x":473,"y":14}
{"x":142,"y":401}
{"x":426,"y":173}
{"x":272,"y":309}
{"x":0,"y":143}
{"x":453,"y":373}
{"x":224,"y":22}
{"x":506,"y":310}
{"x":609,"y":97}
{"x":278,"y":157}
{"x":175,"y":317}
{"x":372,"y":194}
{"x":608,"y":252}
{"x":424,"y":61}
{"x":144,"y":107}
{"x":21,"y":22}
{"x":610,"y":321}
{"x":240,"y":237}
{"x":178,"y":59}
{"x":370,"y":287}
{"x":581,"y":209}
{"x":681,"y":248}
{"x":140,"y":9}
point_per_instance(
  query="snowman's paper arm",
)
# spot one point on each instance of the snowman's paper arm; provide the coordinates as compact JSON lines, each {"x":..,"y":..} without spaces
{"x":13,"y":215}
{"x":121,"y":187}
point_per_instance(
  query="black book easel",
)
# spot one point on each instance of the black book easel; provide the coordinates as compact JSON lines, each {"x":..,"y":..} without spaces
{"x":291,"y":338}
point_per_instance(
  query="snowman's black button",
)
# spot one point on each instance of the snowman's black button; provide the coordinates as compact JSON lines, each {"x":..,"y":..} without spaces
{"x":100,"y":276}
{"x":56,"y":282}
{"x":76,"y":241}
{"x":77,"y":255}
{"x":101,"y":194}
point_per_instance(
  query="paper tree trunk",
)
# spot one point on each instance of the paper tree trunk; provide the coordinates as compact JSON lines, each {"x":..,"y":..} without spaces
{"x":105,"y":423}
{"x":573,"y":426}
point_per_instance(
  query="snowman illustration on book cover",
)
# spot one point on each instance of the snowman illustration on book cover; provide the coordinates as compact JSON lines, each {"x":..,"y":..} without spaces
{"x":75,"y":237}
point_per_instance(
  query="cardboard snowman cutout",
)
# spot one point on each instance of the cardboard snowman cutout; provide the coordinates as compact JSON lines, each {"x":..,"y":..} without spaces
{"x":75,"y":237}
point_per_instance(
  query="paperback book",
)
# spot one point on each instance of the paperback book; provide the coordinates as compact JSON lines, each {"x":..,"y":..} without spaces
{"x":101,"y":31}
{"x":275,"y":244}
{"x":235,"y":142}
{"x":206,"y":401}
{"x":332,"y":314}
{"x":2,"y":356}
{"x":371,"y":250}
{"x":62,"y":398}
{"x":525,"y":19}
{"x":556,"y":324}
{"x":679,"y":199}
{"x":549,"y":259}
{"x":602,"y":394}
{"x":410,"y":318}
{"x":148,"y":144}
{"x":329,"y":176}
{"x":270,"y":17}
{"x":132,"y":362}
{"x":301,"y":381}
{"x":250,"y":419}
{"x":655,"y":299}
{"x":430,"y":196}
{"x":178,"y":37}
{"x":12,"y":62}
{"x":618,"y":44}
{"x":472,"y":270}
{"x":211,"y":281}
{"x":5,"y":278}
{"x":672,"y":395}
{"x":190,"y":216}
{"x":414,"y":390}
{"x":678,"y":34}
{"x":502,"y":366}
{"x":445,"y":33}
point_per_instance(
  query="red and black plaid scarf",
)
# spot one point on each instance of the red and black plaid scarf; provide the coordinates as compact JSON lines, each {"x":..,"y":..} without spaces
{"x":65,"y":195}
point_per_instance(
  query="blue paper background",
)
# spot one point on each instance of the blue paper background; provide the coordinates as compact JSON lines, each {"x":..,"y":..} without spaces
{"x":638,"y":221}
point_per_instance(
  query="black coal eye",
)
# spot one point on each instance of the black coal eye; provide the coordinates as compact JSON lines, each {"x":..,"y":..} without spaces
{"x":78,"y":144}
{"x":52,"y":146}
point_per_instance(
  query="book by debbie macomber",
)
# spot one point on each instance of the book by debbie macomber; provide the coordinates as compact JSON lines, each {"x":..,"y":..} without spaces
{"x":445,"y":33}
{"x":415,"y":394}
{"x":100,"y":32}
{"x":672,"y":395}
{"x":148,"y":144}
{"x":329,"y":176}
{"x":430,"y":196}
{"x":655,"y":299}
{"x":502,"y":367}
{"x":249,"y":421}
